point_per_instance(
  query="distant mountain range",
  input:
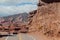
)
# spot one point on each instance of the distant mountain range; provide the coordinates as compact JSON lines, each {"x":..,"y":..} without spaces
{"x":14,"y":23}
{"x":17,"y":17}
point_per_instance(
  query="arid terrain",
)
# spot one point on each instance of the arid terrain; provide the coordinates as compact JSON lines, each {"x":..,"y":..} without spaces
{"x":43,"y":23}
{"x":13,"y":23}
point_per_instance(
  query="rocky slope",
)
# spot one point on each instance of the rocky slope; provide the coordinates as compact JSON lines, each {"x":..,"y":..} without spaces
{"x":14,"y":23}
{"x":46,"y":20}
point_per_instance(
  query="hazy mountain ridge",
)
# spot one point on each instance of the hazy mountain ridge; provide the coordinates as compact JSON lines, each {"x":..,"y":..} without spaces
{"x":14,"y":23}
{"x":23,"y":16}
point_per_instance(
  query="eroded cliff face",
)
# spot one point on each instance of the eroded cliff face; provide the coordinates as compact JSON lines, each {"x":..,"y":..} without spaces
{"x":46,"y":20}
{"x":14,"y":24}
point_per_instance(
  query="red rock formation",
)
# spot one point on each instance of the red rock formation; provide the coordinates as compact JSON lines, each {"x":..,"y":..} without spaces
{"x":12,"y":25}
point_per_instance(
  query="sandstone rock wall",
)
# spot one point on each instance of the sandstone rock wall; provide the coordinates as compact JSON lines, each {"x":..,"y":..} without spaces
{"x":47,"y":20}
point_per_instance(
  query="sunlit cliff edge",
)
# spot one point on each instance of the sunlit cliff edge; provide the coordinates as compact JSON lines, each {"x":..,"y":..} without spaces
{"x":46,"y":19}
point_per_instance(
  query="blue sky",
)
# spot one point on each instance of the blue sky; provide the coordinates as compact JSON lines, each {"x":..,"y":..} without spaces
{"x":10,"y":7}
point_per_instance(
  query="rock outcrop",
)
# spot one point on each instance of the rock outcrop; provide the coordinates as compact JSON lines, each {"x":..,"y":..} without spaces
{"x":46,"y":19}
{"x":14,"y":24}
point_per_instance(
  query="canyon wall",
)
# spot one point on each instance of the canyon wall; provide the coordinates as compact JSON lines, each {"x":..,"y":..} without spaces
{"x":46,"y":20}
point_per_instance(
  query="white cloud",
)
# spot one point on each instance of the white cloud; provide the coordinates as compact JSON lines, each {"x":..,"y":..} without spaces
{"x":9,"y":7}
{"x":9,"y":10}
{"x":15,"y":2}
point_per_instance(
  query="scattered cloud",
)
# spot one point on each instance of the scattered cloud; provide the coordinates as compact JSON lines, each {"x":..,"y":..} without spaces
{"x":10,"y":10}
{"x":16,"y":2}
{"x":10,"y":7}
